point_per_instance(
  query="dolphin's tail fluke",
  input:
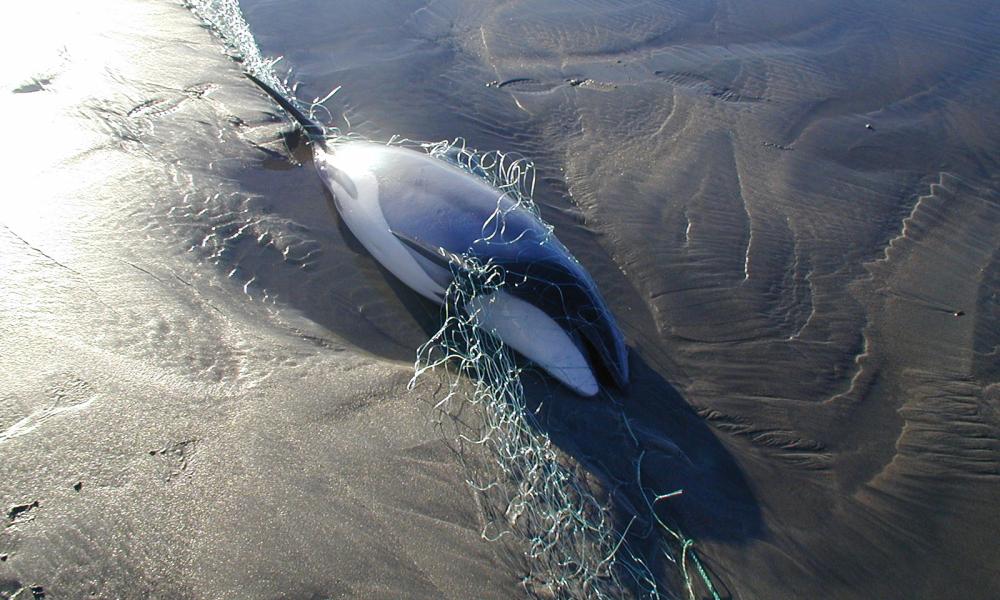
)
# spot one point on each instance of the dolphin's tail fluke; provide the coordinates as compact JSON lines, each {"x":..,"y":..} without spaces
{"x":313,"y":130}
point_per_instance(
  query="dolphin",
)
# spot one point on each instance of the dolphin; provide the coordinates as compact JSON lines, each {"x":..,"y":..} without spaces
{"x":422,"y":218}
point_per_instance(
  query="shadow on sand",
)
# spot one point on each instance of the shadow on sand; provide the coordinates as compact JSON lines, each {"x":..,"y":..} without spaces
{"x":647,"y":441}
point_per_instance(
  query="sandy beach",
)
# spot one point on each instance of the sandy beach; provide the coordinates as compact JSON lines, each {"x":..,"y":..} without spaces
{"x":792,"y":210}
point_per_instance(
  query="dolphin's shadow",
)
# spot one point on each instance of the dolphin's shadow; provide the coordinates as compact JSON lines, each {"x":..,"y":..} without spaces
{"x":652,"y":421}
{"x":679,"y":451}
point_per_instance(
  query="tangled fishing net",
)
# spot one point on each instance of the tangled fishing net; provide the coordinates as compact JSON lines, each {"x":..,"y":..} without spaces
{"x":533,"y":491}
{"x":530,"y":490}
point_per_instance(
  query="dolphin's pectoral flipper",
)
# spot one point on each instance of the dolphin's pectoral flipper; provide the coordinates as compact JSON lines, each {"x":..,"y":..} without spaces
{"x":439,"y":256}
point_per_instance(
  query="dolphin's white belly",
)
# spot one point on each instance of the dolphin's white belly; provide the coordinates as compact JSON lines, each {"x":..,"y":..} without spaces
{"x":527,"y":329}
{"x":357,"y":199}
{"x":351,"y":173}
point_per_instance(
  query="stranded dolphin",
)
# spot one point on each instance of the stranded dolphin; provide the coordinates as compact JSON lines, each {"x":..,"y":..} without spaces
{"x":421,"y":217}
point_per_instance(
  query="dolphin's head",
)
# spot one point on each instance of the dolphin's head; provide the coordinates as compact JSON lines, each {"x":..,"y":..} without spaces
{"x":547,"y":276}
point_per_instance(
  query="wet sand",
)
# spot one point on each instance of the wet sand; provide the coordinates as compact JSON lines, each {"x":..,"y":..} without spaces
{"x":792,"y":210}
{"x":186,"y":431}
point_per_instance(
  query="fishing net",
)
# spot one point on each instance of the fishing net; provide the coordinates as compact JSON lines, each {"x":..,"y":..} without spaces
{"x":534,"y":491}
{"x":528,"y":488}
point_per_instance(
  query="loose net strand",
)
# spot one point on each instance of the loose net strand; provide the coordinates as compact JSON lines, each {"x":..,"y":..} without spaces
{"x":529,"y":491}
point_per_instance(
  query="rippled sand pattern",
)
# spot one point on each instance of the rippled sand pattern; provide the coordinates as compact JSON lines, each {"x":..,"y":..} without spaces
{"x":792,"y":209}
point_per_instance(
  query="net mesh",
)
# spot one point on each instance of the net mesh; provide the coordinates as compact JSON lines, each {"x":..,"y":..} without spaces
{"x":529,"y":490}
{"x":533,"y":491}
